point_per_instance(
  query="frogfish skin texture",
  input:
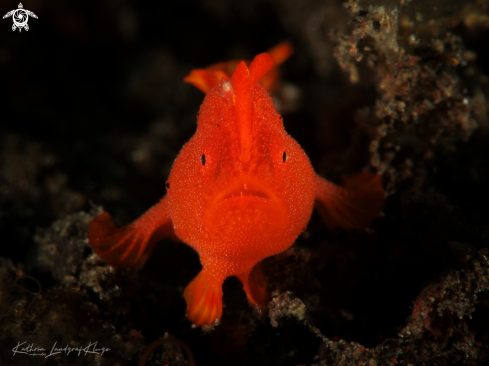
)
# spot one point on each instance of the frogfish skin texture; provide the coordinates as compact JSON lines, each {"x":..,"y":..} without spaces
{"x":240,"y":190}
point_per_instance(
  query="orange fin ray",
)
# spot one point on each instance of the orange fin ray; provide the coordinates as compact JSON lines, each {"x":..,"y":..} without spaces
{"x":280,"y":53}
{"x":353,"y":206}
{"x":255,"y":286}
{"x":131,"y":245}
{"x":119,"y":247}
{"x":204,"y":79}
{"x":204,"y":299}
{"x":260,"y":65}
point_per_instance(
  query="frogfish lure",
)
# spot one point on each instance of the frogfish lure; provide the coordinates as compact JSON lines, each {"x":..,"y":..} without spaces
{"x":240,"y":190}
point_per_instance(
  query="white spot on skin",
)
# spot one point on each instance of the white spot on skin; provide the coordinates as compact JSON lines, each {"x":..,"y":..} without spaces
{"x":227,"y":86}
{"x":227,"y":89}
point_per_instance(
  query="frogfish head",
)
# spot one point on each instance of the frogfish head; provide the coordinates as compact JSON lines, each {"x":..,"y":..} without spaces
{"x":245,"y":174}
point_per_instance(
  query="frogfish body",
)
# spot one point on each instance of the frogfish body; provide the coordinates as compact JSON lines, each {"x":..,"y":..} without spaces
{"x":240,"y":190}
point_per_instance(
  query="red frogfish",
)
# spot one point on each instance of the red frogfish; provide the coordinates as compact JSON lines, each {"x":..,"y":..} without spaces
{"x":240,"y":190}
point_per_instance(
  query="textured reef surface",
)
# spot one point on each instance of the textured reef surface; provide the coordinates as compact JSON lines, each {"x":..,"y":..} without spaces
{"x":94,"y":111}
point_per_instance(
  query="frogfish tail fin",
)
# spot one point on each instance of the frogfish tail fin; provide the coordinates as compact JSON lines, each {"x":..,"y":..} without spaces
{"x":204,"y":299}
{"x":204,"y":79}
{"x":353,"y":206}
{"x":280,"y":53}
{"x":255,"y":286}
{"x":260,"y":65}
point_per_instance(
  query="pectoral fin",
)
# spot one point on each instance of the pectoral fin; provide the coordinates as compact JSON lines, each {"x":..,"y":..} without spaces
{"x":131,"y":245}
{"x":352,"y":206}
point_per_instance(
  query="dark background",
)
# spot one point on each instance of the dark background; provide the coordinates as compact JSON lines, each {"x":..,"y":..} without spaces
{"x":94,"y":111}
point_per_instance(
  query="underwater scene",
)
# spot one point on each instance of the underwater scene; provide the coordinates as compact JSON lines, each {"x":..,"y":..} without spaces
{"x":234,"y":183}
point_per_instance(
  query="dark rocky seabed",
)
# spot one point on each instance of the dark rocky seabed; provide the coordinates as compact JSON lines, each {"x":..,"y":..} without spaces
{"x":94,"y":111}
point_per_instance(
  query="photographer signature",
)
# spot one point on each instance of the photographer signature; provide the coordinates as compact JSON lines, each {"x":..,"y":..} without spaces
{"x":30,"y":350}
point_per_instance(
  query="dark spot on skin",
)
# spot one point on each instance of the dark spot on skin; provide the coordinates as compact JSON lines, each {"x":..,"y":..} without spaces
{"x":376,"y":25}
{"x":284,"y":157}
{"x":202,"y":159}
{"x":362,"y":13}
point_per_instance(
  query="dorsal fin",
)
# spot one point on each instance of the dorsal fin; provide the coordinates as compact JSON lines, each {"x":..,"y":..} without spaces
{"x":243,"y":81}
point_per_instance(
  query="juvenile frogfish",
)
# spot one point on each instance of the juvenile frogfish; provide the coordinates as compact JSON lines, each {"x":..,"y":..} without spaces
{"x":240,"y":190}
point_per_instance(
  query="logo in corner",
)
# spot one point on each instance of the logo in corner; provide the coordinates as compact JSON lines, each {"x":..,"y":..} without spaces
{"x":20,"y":17}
